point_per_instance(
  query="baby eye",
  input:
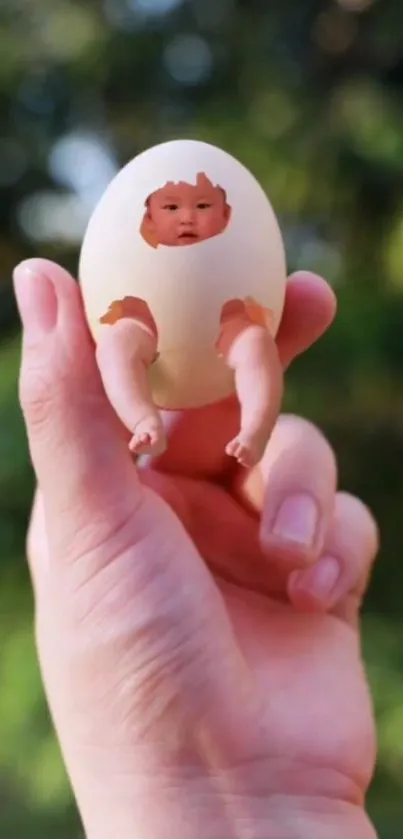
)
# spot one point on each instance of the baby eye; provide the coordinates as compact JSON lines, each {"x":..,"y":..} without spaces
{"x":202,"y":205}
{"x":171,"y":207}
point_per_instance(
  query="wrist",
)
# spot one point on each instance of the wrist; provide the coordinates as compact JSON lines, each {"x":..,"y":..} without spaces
{"x":151,"y":818}
{"x":193,"y":805}
{"x":315,"y":818}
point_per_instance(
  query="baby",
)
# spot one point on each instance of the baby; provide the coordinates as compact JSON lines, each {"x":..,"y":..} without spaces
{"x":180,"y":215}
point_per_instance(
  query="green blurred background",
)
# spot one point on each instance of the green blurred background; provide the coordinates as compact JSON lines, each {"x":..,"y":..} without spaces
{"x":307,"y":93}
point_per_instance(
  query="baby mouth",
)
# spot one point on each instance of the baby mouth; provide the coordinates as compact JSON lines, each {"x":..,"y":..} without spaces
{"x":188,"y":235}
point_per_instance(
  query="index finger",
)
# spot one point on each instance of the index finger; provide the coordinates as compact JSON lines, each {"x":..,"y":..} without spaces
{"x":197,"y":438}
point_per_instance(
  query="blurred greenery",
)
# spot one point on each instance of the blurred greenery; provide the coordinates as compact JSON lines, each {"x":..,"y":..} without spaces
{"x":309,"y":96}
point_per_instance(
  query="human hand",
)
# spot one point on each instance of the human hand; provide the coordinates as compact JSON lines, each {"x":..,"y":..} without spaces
{"x":202,"y":680}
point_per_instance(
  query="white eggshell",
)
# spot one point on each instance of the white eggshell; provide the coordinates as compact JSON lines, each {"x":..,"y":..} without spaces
{"x":185,"y":287}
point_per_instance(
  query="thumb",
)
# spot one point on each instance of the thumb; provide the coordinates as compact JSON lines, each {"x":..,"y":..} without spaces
{"x":79,"y":454}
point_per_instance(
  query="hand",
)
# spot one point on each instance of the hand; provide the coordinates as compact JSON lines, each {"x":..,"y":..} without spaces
{"x":199,"y":647}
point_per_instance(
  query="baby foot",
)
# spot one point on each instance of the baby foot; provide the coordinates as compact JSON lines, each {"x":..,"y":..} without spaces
{"x":248,"y":447}
{"x":149,"y":436}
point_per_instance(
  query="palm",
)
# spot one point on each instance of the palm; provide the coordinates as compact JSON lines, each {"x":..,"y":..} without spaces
{"x":307,"y":666}
{"x":316,"y":696}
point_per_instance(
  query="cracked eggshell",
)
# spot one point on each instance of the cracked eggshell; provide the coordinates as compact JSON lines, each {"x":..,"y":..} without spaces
{"x":184,"y":287}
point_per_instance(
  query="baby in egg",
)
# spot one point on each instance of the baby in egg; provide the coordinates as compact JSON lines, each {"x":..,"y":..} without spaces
{"x":186,"y":215}
{"x":183,"y":214}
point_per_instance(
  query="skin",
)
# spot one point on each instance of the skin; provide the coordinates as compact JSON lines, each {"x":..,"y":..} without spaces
{"x":128,"y":345}
{"x":182,"y":214}
{"x":205,"y":679}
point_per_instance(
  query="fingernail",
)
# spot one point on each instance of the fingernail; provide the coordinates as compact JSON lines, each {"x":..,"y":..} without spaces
{"x":297,"y":520}
{"x":321,"y":580}
{"x":36,"y":300}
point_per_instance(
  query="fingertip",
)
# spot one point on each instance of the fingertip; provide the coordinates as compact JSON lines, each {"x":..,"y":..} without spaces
{"x":316,"y":589}
{"x":310,"y":308}
{"x":309,"y":281}
{"x":363,"y":522}
{"x":40,"y":265}
{"x":298,"y":500}
{"x":314,"y":294}
{"x":65,"y":287}
{"x":341,"y":574}
{"x":37,"y":305}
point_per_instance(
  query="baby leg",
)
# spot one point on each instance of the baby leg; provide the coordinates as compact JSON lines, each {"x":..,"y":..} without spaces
{"x":125,"y":350}
{"x":253,"y":356}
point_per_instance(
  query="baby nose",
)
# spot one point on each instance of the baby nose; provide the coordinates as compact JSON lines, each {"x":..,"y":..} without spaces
{"x":186,"y":215}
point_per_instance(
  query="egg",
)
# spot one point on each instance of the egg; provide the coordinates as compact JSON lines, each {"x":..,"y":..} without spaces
{"x":183,"y":234}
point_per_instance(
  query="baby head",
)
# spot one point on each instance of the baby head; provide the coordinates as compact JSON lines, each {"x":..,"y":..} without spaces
{"x":181,"y":214}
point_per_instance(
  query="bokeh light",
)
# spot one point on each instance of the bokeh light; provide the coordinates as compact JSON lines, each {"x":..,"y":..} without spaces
{"x":355,"y":5}
{"x":188,"y":59}
{"x":131,"y":14}
{"x":84,"y":164}
{"x":46,"y":217}
{"x":154,"y":7}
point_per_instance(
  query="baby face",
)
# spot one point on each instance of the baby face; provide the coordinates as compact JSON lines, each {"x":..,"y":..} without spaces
{"x":182,"y":214}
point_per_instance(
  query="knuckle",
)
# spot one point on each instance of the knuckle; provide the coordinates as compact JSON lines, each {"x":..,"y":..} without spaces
{"x":354,"y":512}
{"x":309,"y":438}
{"x":311,"y":432}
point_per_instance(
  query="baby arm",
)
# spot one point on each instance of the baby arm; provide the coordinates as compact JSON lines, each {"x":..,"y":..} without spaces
{"x":127,"y":345}
{"x":250,"y":350}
